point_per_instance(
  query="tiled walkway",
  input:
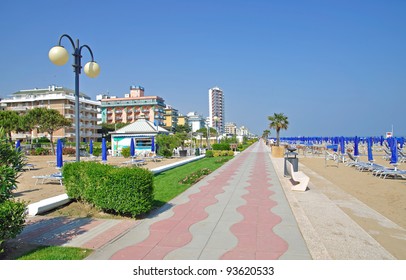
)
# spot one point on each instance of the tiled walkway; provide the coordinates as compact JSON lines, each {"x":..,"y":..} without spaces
{"x":237,"y":212}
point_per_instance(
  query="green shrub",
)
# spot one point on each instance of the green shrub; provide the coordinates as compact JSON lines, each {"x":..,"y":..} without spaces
{"x":221,"y":147}
{"x":12,"y":219}
{"x":39,"y":152}
{"x":166,"y":153}
{"x":125,"y":191}
{"x":125,"y":152}
{"x":12,"y":213}
{"x":97,"y":152}
{"x":43,"y":140}
{"x":209,"y":153}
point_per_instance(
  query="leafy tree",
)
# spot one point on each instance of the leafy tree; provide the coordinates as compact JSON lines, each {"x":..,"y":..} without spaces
{"x":278,"y":122}
{"x":9,"y":121}
{"x":167,"y":143}
{"x":212,"y":131}
{"x":12,"y":213}
{"x":47,"y":120}
{"x":182,"y":129}
{"x":109,"y":127}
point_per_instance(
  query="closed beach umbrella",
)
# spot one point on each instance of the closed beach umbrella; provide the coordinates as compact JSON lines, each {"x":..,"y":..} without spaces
{"x":381,"y":140}
{"x":153,"y":144}
{"x":104,"y":150}
{"x":394,"y":151}
{"x":370,"y":155}
{"x":59,"y":159}
{"x":18,"y":145}
{"x":91,"y":147}
{"x":342,"y":145}
{"x":356,"y":151}
{"x":132,"y":148}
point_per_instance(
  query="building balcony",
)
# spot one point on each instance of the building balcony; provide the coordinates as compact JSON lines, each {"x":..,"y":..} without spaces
{"x":20,"y":108}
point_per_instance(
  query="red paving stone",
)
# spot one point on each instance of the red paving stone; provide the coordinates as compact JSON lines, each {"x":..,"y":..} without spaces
{"x":101,"y":239}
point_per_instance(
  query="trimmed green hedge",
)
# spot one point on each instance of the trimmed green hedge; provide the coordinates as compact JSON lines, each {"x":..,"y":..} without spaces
{"x":124,"y":191}
{"x":221,"y":146}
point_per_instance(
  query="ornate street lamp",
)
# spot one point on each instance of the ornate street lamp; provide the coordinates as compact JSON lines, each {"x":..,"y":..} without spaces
{"x":59,"y":56}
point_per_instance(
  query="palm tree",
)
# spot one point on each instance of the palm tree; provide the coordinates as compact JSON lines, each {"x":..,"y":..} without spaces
{"x":265,"y":134}
{"x":278,"y":122}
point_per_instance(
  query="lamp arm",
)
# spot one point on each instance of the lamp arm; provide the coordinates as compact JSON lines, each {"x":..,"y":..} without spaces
{"x":90,"y":51}
{"x":70,"y":39}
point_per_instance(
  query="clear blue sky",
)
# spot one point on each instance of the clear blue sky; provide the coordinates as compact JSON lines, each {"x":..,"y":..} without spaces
{"x":333,"y":67}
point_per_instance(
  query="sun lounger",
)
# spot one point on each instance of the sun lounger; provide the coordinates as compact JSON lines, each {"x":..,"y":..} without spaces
{"x":52,"y":177}
{"x":154,"y":158}
{"x":331,"y":156}
{"x":137,"y":162}
{"x":28,"y":166}
{"x":392,"y":173}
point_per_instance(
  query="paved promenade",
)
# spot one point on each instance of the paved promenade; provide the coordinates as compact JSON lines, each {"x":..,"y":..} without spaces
{"x":237,"y":212}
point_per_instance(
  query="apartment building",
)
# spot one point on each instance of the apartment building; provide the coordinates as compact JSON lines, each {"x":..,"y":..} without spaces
{"x":170,"y":118}
{"x":133,"y":106}
{"x":61,"y":99}
{"x":216,"y":109}
{"x":195,"y":121}
{"x":230,"y":128}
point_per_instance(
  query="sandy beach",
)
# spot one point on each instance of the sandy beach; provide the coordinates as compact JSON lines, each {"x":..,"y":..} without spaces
{"x":386,"y":196}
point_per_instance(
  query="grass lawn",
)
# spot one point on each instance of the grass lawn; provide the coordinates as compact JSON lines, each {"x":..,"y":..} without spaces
{"x":56,"y":253}
{"x":167,"y":186}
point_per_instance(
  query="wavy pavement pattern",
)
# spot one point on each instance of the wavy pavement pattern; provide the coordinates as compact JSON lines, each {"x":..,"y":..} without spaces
{"x":172,"y":233}
{"x":256,"y":239}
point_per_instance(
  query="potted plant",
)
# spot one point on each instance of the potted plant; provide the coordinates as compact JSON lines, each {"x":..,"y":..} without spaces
{"x":278,"y":122}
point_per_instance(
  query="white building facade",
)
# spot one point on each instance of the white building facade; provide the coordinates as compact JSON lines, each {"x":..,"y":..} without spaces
{"x":195,"y":121}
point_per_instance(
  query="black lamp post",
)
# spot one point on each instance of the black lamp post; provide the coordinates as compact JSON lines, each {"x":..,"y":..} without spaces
{"x":59,"y":56}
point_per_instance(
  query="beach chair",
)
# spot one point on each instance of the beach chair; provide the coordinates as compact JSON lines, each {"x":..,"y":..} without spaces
{"x":136,"y":162}
{"x":387,"y":155}
{"x":331,"y":156}
{"x":52,"y":177}
{"x":401,"y":156}
{"x":359,"y":165}
{"x":28,"y":166}
{"x":393,"y":173}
